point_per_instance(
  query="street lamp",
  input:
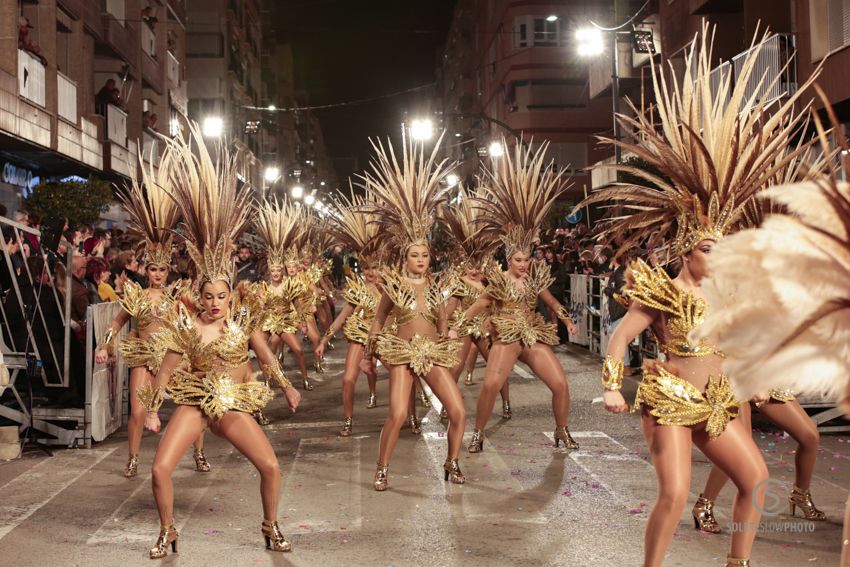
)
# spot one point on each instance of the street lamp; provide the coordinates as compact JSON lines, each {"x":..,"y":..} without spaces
{"x":422,"y":129}
{"x":452,"y":179}
{"x":272,"y":173}
{"x":590,"y":42}
{"x":297,"y":192}
{"x":552,"y":18}
{"x":271,"y":107}
{"x":496,"y":150}
{"x":309,"y":200}
{"x":212,"y":126}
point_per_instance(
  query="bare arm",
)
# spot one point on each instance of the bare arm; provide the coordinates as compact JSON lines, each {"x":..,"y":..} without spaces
{"x":107,"y":343}
{"x":558,"y":309}
{"x":150,"y":394}
{"x":271,"y":368}
{"x":478,"y":307}
{"x":385,"y":305}
{"x":637,"y":319}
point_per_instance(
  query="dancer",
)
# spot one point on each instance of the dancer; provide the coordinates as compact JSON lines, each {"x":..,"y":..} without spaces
{"x":711,"y":162}
{"x":474,"y":252}
{"x":406,"y":192}
{"x":151,"y":213}
{"x":520,"y":191}
{"x":308,"y":300}
{"x":216,"y":389}
{"x":354,"y":227}
{"x":792,"y":332}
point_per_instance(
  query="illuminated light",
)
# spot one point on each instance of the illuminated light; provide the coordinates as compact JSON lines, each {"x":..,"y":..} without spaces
{"x":212,"y":127}
{"x":422,"y":129}
{"x":496,"y":150}
{"x":452,"y":179}
{"x":272,"y":173}
{"x":590,"y":41}
{"x":272,"y":107}
{"x":552,"y":18}
{"x":297,"y":192}
{"x":309,"y":200}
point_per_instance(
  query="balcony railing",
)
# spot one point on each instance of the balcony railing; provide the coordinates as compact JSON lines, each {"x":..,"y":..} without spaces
{"x":148,"y":41}
{"x":150,"y":147}
{"x":119,"y":36}
{"x":152,"y":72}
{"x":116,"y":8}
{"x":774,"y":73}
{"x":73,"y":7}
{"x":116,"y":125}
{"x":67,"y":98}
{"x":31,"y":77}
{"x":92,"y":18}
{"x":173,"y":71}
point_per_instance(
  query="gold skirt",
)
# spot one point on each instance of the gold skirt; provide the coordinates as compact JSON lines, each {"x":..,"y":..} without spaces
{"x":279,"y":323}
{"x":144,"y":352}
{"x":782,"y":395}
{"x":217,"y":393}
{"x":356,"y":329}
{"x":420,"y":353}
{"x":476,"y":328}
{"x":528,"y":327}
{"x":675,"y":401}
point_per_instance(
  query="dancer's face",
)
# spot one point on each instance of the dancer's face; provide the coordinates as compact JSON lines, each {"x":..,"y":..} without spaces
{"x":276,"y":274}
{"x":473,"y":272}
{"x":518,"y":264}
{"x":697,"y":259}
{"x":418,"y":259}
{"x":291,"y":270}
{"x":215,"y":298}
{"x":157,"y":274}
{"x":370,"y":272}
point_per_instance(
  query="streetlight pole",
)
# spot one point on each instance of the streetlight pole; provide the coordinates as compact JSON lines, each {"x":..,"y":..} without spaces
{"x":615,"y":93}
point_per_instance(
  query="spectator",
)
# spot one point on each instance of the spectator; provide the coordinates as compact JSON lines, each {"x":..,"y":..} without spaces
{"x":79,"y":293}
{"x":93,"y":247}
{"x":104,"y":97}
{"x":97,"y":276}
{"x":337,"y":264}
{"x":24,"y":41}
{"x":246,"y":267}
{"x":125,"y":268}
{"x":32,"y":239}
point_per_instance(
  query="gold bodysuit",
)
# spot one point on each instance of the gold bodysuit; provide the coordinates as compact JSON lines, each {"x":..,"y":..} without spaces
{"x":477,"y":327}
{"x":279,"y":308}
{"x":419,"y":352}
{"x":365,"y":302}
{"x":150,"y":351}
{"x":208,"y":382}
{"x":514,"y":314}
{"x":671,"y":399}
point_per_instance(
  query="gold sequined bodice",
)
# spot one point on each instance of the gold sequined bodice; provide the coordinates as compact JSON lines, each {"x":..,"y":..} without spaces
{"x":683,"y":311}
{"x":282,"y":298}
{"x":467,"y":293}
{"x":409,"y":301}
{"x":513,"y":299}
{"x":141,"y":306}
{"x":364,"y":299}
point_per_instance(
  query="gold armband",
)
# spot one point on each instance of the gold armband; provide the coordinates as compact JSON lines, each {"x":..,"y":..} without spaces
{"x":151,"y":398}
{"x":276,"y":375}
{"x":371,"y":345}
{"x":612,"y":374}
{"x":563,"y":315}
{"x":108,"y":338}
{"x":330,"y":332}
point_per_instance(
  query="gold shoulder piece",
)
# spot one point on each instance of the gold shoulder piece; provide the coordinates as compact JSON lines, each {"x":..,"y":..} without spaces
{"x":499,"y":286}
{"x":653,"y":288}
{"x":134,"y":299}
{"x":398,"y":290}
{"x":356,"y":291}
{"x":540,"y":276}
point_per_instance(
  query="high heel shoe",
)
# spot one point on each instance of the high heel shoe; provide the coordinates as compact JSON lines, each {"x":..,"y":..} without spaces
{"x":563,"y":434}
{"x":346,"y":427}
{"x":704,"y":519}
{"x":167,"y":536}
{"x":201,"y":463}
{"x":261,"y":418}
{"x":132,"y":468}
{"x":320,"y":369}
{"x":414,"y":425}
{"x":331,"y":344}
{"x":381,"y":477}
{"x":735,"y":562}
{"x":373,"y":401}
{"x":424,"y":401}
{"x":506,"y":409}
{"x":476,"y":444}
{"x":444,"y":415}
{"x":468,"y":380}
{"x":275,"y":540}
{"x":307,"y":385}
{"x":803,"y":500}
{"x":452,"y":470}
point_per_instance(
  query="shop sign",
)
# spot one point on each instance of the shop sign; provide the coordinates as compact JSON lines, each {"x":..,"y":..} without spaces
{"x":18,"y":176}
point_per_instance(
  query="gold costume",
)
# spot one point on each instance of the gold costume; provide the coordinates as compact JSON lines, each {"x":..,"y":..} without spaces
{"x":365,"y":301}
{"x":279,"y":306}
{"x":478,"y":326}
{"x":514,"y":316}
{"x":138,"y":304}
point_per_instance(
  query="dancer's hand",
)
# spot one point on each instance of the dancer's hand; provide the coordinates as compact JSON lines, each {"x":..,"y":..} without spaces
{"x":303,"y":329}
{"x":101,"y":356}
{"x":452,"y":334}
{"x":152,"y":421}
{"x":571,"y":328}
{"x":367,"y":365}
{"x":760,"y":399}
{"x":293,"y":396}
{"x":615,"y":402}
{"x":320,"y":350}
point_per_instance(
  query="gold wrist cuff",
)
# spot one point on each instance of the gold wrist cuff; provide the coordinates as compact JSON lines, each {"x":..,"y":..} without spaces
{"x":108,"y":338}
{"x":612,"y":374}
{"x":276,"y":375}
{"x":329,"y":333}
{"x":151,"y":398}
{"x":563,"y":315}
{"x":371,"y":345}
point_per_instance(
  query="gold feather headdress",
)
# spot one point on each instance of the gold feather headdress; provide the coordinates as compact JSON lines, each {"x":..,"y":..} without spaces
{"x":405,"y":193}
{"x":517,"y":194}
{"x":466,"y":228}
{"x":716,"y":147}
{"x":352,"y":223}
{"x":216,"y":206}
{"x":278,"y":225}
{"x":153,"y":214}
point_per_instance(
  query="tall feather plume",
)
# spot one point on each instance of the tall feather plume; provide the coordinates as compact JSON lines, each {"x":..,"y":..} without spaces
{"x":716,"y":148}
{"x":405,"y":192}
{"x":215,"y":205}
{"x":278,"y":226}
{"x":517,"y":194}
{"x":352,"y":223}
{"x":466,"y":227}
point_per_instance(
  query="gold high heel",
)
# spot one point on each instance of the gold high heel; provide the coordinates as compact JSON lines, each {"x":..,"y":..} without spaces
{"x":563,"y":434}
{"x":414,"y":425}
{"x":346,"y":427}
{"x":275,"y":540}
{"x":803,"y":500}
{"x":261,"y":418}
{"x":373,"y":401}
{"x":468,"y":380}
{"x":320,"y":369}
{"x":132,"y":468}
{"x":735,"y":562}
{"x":476,"y":445}
{"x":506,"y":409}
{"x":381,"y":477}
{"x":452,"y":469}
{"x":704,"y":519}
{"x":444,"y":415}
{"x":331,"y":344}
{"x":167,"y":536}
{"x":423,"y":400}
{"x":201,"y":463}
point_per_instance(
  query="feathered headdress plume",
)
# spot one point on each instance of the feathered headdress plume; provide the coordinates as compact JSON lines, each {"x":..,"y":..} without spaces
{"x":278,"y":225}
{"x":352,"y":223}
{"x":466,"y":228}
{"x":780,"y":294}
{"x":215,"y":205}
{"x":153,"y":214}
{"x":405,"y":193}
{"x":517,"y":194}
{"x":715,"y":149}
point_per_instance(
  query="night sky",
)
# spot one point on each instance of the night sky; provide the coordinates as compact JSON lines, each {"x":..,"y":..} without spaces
{"x":353,"y":49}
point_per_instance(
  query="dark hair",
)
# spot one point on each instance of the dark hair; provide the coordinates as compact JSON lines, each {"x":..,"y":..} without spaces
{"x":8,"y":234}
{"x":95,"y":268}
{"x":99,"y":233}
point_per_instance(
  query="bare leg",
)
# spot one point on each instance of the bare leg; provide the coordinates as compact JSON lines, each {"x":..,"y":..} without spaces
{"x":274,"y":343}
{"x":483,"y":345}
{"x":443,"y":385}
{"x":502,"y":359}
{"x":791,"y":417}
{"x":465,"y":351}
{"x":401,"y":385}
{"x":313,"y":333}
{"x":245,"y":435}
{"x":349,"y":377}
{"x":186,"y":424}
{"x":135,"y":425}
{"x":670,"y":448}
{"x":716,"y":477}
{"x":543,"y":362}
{"x":297,"y":351}
{"x":735,"y":452}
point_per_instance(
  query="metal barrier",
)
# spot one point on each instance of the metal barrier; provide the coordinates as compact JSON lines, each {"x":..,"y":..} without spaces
{"x":106,"y":384}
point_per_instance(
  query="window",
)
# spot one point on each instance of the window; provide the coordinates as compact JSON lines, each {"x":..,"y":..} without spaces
{"x":546,"y":32}
{"x":531,"y":31}
{"x":204,"y":45}
{"x":830,"y":26}
{"x":569,"y":156}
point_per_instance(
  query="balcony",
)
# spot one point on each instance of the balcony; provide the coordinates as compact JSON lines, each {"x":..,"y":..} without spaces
{"x":67,"y":98}
{"x":150,"y":147}
{"x":92,"y":19}
{"x":152,"y":73}
{"x":31,"y":78}
{"x":172,"y":70}
{"x":178,"y":9}
{"x":116,"y":125}
{"x":774,"y":74}
{"x":119,"y":38}
{"x":74,"y":7}
{"x":117,"y":8}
